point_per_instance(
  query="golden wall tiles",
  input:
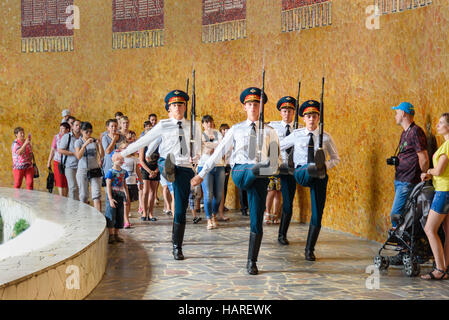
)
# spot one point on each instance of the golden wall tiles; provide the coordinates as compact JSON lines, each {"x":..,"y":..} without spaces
{"x":367,"y":72}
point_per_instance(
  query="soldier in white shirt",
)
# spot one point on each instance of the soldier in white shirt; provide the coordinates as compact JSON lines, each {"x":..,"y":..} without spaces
{"x":305,"y":142}
{"x":284,"y":128}
{"x":247,"y":172}
{"x":175,"y":163}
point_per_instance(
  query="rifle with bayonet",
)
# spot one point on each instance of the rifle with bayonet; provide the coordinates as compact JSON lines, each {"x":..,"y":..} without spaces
{"x":192,"y":115}
{"x":320,"y":156}
{"x":291,"y":163}
{"x":261,"y":119}
{"x":187,"y":103}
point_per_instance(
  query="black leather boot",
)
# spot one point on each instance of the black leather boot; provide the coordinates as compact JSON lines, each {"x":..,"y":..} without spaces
{"x":283,"y":227}
{"x":312,"y":237}
{"x":255,"y":239}
{"x":177,"y":238}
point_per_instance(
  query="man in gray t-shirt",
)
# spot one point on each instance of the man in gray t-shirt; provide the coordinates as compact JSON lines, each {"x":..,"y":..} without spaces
{"x":110,"y":142}
{"x":66,"y":147}
{"x":63,"y":145}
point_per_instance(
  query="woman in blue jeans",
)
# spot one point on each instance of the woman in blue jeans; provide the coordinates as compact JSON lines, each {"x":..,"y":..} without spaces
{"x":213,"y":183}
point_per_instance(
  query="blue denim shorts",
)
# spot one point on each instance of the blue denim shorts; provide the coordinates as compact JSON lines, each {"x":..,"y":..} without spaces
{"x":440,"y":203}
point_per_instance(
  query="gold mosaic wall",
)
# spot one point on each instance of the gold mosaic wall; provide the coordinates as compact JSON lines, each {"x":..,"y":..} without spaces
{"x":367,"y":71}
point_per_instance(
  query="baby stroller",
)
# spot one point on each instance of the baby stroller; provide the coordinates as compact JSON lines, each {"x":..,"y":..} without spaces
{"x":409,"y":239}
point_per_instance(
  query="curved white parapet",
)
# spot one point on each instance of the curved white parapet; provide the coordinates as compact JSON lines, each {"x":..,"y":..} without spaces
{"x":62,"y":255}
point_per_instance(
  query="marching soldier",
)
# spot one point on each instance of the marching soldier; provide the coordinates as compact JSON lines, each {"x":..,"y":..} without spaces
{"x":284,"y":128}
{"x":175,"y":163}
{"x":248,"y":174}
{"x":311,"y":172}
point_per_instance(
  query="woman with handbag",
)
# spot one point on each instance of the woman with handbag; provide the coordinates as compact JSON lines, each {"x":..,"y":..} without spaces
{"x":69,"y":162}
{"x":22,"y":159}
{"x":87,"y":151}
{"x":60,"y":179}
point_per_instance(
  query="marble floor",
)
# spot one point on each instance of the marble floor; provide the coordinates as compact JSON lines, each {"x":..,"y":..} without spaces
{"x":143,"y":267}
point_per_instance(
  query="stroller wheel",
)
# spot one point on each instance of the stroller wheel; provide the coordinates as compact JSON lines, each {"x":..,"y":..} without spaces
{"x":381,"y":263}
{"x":411,"y":268}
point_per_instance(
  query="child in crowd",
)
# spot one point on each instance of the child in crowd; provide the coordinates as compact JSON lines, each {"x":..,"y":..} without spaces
{"x":116,"y":198}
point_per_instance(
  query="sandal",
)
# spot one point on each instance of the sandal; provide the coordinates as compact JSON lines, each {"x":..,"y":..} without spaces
{"x":152,"y":219}
{"x":267,"y":218}
{"x":196,"y":220}
{"x":223,"y":219}
{"x":432,"y":276}
{"x":210,"y":224}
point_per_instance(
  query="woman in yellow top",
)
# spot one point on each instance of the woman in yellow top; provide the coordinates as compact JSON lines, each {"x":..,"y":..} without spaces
{"x":440,"y":204}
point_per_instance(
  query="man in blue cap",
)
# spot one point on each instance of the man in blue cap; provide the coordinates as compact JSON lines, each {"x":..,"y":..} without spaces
{"x":286,"y":106}
{"x":305,"y":143}
{"x":248,"y":174}
{"x":413,"y":159}
{"x":175,"y":163}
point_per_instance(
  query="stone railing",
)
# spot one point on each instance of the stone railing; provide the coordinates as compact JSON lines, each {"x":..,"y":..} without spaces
{"x":62,"y":255}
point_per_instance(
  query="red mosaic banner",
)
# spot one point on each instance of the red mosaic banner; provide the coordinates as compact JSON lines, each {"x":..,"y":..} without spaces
{"x":223,"y":20}
{"x":45,"y":18}
{"x":218,"y":11}
{"x":47,"y":25}
{"x":292,"y":4}
{"x":137,"y":15}
{"x":137,"y":23}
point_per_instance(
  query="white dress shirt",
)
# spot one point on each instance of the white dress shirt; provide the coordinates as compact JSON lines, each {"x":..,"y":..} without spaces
{"x":237,"y":139}
{"x":281,"y":129}
{"x":299,"y":139}
{"x":167,"y":132}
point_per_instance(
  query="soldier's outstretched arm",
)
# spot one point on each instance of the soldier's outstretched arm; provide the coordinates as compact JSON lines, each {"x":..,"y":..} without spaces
{"x":287,"y":142}
{"x":144,"y":141}
{"x":224,"y":146}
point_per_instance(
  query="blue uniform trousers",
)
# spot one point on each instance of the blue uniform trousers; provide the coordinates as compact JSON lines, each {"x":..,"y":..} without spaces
{"x":288,"y":189}
{"x":317,"y":192}
{"x":256,"y":188}
{"x":181,"y":188}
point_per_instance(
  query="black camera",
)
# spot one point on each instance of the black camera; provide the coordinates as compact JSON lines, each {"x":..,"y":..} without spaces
{"x":393,"y":161}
